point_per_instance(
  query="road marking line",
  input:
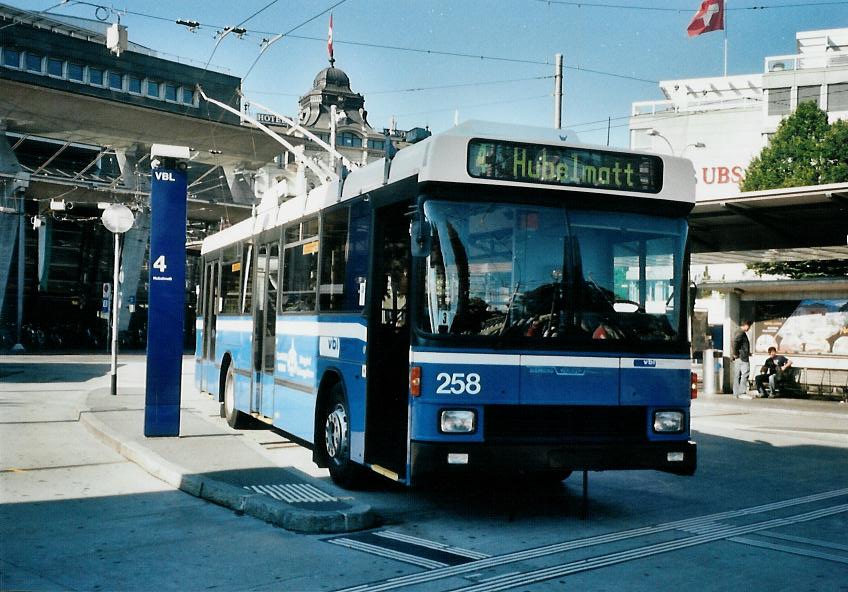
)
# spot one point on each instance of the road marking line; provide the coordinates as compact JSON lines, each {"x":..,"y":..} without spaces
{"x":555,"y":548}
{"x":804,"y":540}
{"x":792,"y":550}
{"x":540,"y":575}
{"x":430,"y":544}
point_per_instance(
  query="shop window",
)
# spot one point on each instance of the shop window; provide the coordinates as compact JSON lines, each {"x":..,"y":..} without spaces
{"x":55,"y":67}
{"x":95,"y":76}
{"x":11,"y":58}
{"x":76,"y":72}
{"x":34,"y":62}
{"x":778,"y":101}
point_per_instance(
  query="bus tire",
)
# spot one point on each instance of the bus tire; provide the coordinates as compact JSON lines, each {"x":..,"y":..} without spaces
{"x":235,"y":418}
{"x":343,"y":471}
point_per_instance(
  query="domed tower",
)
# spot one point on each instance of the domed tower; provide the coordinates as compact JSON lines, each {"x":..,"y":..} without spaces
{"x":354,"y":136}
{"x":332,"y":87}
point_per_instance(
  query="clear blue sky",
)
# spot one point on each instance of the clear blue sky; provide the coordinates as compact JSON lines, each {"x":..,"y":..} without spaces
{"x":635,"y":41}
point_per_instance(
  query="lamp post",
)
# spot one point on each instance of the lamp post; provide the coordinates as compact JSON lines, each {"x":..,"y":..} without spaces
{"x":655,"y":133}
{"x":695,"y":145}
{"x":117,"y":219}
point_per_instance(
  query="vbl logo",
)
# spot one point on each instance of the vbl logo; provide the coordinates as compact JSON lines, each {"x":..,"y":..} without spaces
{"x":164,"y":176}
{"x":645,"y":363}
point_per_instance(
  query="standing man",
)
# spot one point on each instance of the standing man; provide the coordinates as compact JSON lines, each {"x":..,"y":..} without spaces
{"x":741,"y":353}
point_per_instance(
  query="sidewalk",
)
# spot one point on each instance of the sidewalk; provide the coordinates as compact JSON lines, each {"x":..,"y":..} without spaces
{"x":833,"y":409}
{"x":213,"y":462}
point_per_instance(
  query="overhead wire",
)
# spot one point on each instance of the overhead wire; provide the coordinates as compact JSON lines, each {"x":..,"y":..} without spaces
{"x":683,"y":10}
{"x":292,"y":30}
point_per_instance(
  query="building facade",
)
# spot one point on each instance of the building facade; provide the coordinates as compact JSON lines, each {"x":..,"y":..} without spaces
{"x":721,"y":123}
{"x":77,"y":121}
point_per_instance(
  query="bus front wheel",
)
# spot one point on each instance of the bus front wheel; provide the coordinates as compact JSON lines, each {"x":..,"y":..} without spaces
{"x":235,"y":418}
{"x":337,"y":442}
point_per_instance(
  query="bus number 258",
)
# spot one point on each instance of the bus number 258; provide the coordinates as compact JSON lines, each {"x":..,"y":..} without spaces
{"x":458,"y":383}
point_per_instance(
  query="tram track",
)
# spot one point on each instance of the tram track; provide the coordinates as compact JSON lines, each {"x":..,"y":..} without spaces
{"x":705,"y":529}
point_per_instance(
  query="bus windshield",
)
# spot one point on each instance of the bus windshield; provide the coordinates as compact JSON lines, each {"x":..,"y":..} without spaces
{"x":534,"y":272}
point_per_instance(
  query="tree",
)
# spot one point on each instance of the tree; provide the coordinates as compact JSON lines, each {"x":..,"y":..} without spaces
{"x":805,"y":150}
{"x":795,"y":155}
{"x":797,"y":270}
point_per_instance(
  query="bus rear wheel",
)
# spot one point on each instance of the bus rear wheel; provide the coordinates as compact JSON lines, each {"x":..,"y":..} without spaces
{"x":343,"y":471}
{"x":235,"y":418}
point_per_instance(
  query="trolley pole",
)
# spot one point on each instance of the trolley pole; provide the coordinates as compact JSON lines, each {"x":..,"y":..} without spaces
{"x":558,"y":92}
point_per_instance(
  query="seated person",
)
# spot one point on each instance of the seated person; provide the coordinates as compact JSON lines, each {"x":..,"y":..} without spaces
{"x":771,"y":371}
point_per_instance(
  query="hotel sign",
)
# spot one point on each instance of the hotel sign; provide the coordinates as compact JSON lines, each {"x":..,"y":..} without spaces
{"x":564,"y":166}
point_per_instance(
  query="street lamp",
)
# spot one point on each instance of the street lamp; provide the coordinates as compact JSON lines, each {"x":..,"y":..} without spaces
{"x":695,"y":145}
{"x":654,"y":132}
{"x":117,"y":219}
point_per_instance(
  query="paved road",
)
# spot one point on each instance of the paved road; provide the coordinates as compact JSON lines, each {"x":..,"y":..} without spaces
{"x":767,"y":510}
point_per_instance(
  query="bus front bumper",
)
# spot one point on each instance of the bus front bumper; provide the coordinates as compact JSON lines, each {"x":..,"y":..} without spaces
{"x":678,"y":457}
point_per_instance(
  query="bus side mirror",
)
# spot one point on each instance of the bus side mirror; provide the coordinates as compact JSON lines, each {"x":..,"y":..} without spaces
{"x":421,"y":237}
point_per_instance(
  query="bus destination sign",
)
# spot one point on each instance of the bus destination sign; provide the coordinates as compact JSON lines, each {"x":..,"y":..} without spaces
{"x":561,"y":165}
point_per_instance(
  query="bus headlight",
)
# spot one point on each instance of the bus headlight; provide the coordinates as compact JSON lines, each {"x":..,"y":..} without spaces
{"x":668,"y":422}
{"x":457,"y":421}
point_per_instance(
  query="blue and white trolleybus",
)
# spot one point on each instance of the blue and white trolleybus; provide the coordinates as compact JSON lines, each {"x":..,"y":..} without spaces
{"x":493,"y":298}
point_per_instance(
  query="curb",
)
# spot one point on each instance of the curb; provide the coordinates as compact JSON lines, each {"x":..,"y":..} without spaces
{"x":259,"y":506}
{"x":734,"y":405}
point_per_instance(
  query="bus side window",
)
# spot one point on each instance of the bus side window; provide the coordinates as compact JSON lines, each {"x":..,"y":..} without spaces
{"x":356,"y":271}
{"x":247,"y":278}
{"x":345,"y":235}
{"x":334,"y":229}
{"x":300,"y":273}
{"x":230,"y":280}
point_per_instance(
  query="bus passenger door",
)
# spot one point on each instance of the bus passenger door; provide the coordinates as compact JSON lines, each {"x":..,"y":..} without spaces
{"x":210,"y":314}
{"x":265,"y":328}
{"x":386,"y":425}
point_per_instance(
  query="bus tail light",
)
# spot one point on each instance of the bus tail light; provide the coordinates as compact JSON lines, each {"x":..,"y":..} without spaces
{"x":415,"y":381}
{"x":693,"y":385}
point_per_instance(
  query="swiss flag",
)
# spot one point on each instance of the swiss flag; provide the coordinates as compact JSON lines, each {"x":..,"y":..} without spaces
{"x":710,"y":17}
{"x":330,"y":38}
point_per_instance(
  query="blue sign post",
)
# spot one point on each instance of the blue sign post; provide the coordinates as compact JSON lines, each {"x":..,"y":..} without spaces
{"x":166,"y":304}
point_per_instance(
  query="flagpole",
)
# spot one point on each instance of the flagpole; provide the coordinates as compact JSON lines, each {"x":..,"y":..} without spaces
{"x":725,"y":38}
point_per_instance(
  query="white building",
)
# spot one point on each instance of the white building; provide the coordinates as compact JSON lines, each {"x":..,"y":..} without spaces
{"x":720,"y":123}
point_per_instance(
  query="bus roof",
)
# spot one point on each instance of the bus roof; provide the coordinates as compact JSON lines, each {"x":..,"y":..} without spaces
{"x":447,"y":157}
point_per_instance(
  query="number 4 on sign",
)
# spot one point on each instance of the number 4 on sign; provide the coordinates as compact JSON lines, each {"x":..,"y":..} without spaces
{"x":159,"y":264}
